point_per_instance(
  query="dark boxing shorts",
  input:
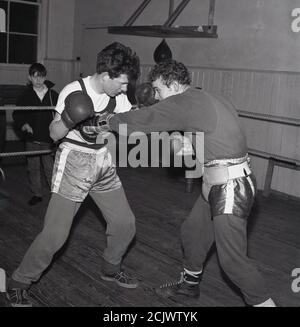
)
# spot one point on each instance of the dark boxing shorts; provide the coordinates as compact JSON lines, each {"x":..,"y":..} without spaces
{"x":229,"y":186}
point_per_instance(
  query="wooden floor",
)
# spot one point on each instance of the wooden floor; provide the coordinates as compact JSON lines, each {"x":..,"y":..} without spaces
{"x":160,"y":204}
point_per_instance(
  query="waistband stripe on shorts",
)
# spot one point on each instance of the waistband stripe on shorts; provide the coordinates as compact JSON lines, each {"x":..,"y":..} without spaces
{"x":80,"y":148}
{"x":227,"y":162}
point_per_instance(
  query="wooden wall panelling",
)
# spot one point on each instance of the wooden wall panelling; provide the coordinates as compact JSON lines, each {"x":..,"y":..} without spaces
{"x":284,"y":103}
{"x":278,"y":93}
{"x":287,"y":104}
{"x":262,"y":93}
{"x":61,"y":72}
{"x":259,"y":166}
{"x":294,"y":108}
{"x":286,"y":99}
{"x":13,"y":74}
{"x":193,"y":78}
{"x":227,"y":84}
{"x":295,"y":189}
{"x":298,"y":145}
{"x":289,"y":141}
{"x":242,"y":90}
{"x":212,"y":81}
{"x":144,"y":73}
{"x":286,"y":180}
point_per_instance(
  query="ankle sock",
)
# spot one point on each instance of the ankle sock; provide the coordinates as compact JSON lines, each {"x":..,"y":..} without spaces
{"x":192,"y":277}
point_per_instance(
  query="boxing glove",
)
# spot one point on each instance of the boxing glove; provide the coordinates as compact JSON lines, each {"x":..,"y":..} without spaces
{"x":78,"y":107}
{"x":180,"y":146}
{"x":176,"y":144}
{"x":84,"y":128}
{"x":145,"y":95}
{"x":98,"y":124}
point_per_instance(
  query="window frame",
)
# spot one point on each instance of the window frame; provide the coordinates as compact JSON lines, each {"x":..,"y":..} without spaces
{"x":39,"y":5}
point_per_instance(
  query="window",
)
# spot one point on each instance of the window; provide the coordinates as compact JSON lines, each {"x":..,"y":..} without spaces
{"x":19,"y":31}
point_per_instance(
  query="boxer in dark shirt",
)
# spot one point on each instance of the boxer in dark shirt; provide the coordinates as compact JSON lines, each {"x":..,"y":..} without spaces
{"x":228,"y":189}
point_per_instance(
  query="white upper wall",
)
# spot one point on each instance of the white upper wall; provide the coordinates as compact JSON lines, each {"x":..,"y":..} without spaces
{"x":60,"y":36}
{"x":253,"y":34}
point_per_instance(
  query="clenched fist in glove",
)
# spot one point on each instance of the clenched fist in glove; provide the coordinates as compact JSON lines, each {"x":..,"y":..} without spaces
{"x":98,"y":124}
{"x":145,"y":95}
{"x":78,"y":107}
{"x":181,"y":146}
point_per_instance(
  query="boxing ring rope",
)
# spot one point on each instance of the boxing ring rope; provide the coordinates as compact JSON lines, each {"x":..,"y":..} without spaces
{"x":24,"y":153}
{"x":23,"y":108}
{"x":245,"y":114}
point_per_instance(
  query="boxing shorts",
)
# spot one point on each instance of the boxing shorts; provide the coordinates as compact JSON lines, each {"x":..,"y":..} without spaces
{"x":79,"y":170}
{"x":229,"y":186}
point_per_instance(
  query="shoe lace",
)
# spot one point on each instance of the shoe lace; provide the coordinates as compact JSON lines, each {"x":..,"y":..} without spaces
{"x":18,"y":294}
{"x":172,"y":284}
{"x":25,"y":294}
{"x":122,"y":274}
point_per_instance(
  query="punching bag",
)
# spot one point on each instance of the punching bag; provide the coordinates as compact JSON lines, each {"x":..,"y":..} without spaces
{"x":162,"y":52}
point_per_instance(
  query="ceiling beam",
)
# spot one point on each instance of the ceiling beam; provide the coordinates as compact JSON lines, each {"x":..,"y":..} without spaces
{"x":137,"y":13}
{"x":176,"y":13}
{"x":167,"y":30}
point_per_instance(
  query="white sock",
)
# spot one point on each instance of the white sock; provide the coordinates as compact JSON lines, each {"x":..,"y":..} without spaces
{"x":269,"y":303}
{"x":2,"y":281}
{"x":195,"y":274}
{"x":192,"y":277}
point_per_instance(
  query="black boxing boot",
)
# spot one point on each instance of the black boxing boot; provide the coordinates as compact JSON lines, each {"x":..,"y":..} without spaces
{"x":188,"y":285}
{"x":17,"y":293}
{"x":34,"y":200}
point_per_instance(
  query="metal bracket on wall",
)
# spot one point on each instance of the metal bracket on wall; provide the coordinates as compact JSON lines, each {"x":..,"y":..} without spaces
{"x":167,"y":30}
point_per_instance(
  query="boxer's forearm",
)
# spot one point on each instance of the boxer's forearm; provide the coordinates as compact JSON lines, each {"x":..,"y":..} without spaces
{"x":58,"y":130}
{"x":149,"y":120}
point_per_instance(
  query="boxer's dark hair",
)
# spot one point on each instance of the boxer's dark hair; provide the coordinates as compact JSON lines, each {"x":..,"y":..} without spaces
{"x":117,"y":59}
{"x":37,"y":68}
{"x":170,"y":71}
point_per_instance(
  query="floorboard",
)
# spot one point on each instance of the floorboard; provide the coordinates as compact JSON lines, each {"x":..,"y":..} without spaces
{"x":160,"y":203}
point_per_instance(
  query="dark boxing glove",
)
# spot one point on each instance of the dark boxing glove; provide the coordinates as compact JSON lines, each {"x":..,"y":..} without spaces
{"x":78,"y":107}
{"x":145,"y":95}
